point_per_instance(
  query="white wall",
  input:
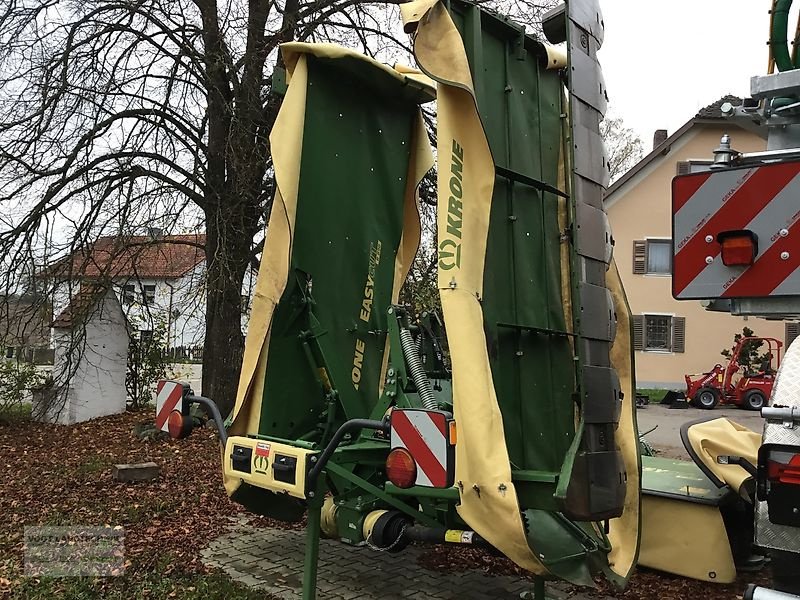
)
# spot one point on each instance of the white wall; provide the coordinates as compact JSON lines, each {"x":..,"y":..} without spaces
{"x":95,"y":386}
{"x":180,"y":303}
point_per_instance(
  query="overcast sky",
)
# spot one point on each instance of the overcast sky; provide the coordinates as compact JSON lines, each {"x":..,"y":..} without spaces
{"x":665,"y":59}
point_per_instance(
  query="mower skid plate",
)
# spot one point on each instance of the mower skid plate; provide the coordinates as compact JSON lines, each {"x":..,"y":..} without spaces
{"x":269,"y":465}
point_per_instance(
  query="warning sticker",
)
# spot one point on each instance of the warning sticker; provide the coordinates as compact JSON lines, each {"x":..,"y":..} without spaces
{"x":457,"y":536}
{"x":262,"y":449}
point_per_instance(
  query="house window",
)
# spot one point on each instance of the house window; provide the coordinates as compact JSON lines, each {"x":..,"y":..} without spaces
{"x":149,"y":293}
{"x":659,"y":333}
{"x":652,"y":257}
{"x":128,"y":293}
{"x":146,"y":337}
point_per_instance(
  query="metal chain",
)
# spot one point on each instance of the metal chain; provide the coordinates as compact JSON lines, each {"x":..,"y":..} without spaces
{"x":390,"y":546}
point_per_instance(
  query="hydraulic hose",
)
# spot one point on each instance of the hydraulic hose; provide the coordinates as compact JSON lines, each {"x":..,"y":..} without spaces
{"x":416,"y":370}
{"x":779,"y":42}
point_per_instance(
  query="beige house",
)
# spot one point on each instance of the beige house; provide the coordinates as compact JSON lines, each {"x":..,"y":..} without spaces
{"x":673,"y":337}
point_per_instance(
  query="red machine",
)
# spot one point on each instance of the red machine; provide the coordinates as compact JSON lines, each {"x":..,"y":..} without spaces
{"x":750,"y":390}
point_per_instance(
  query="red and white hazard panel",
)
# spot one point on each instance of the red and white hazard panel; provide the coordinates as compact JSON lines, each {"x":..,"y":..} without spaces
{"x":735,"y":232}
{"x":168,"y":398}
{"x":422,"y":448}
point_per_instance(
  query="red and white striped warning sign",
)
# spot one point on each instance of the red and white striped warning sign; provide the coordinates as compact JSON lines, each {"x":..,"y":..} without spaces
{"x":424,"y":433}
{"x":167,"y":399}
{"x":761,"y":199}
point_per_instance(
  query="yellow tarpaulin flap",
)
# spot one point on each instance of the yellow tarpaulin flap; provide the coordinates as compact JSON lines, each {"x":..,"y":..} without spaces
{"x":286,"y":142}
{"x":489,"y":502}
{"x":687,"y":539}
{"x":722,"y":437}
{"x":466,"y":178}
{"x":624,"y":531}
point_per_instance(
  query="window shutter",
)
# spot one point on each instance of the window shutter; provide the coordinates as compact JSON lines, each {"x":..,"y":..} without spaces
{"x":684,"y":167}
{"x":639,"y":257}
{"x":792,"y":330}
{"x":638,"y":332}
{"x":679,"y":334}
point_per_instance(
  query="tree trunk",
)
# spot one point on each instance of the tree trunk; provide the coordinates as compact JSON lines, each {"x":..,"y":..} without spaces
{"x":227,"y":254}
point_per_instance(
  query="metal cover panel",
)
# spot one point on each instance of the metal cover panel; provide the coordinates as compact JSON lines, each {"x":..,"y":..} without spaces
{"x":589,"y":192}
{"x":587,"y":14}
{"x":595,"y":352}
{"x":593,"y":233}
{"x":761,"y":199}
{"x":597,"y":486}
{"x":785,"y":393}
{"x":601,"y":395}
{"x":592,"y":271}
{"x":598,"y":319}
{"x":770,"y":535}
{"x":590,"y":155}
{"x":588,"y":83}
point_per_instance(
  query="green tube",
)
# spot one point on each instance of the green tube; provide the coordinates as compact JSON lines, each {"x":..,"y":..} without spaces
{"x":779,"y":36}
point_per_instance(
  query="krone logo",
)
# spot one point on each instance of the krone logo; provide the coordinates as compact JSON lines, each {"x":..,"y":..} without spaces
{"x":449,"y":254}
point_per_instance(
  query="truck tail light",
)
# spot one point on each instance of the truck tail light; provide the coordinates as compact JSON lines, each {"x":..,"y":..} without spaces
{"x":401,"y":469}
{"x":783,"y":467}
{"x":739,"y":248}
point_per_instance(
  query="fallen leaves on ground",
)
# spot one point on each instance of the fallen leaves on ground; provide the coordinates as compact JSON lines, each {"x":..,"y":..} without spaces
{"x":645,"y":584}
{"x":57,"y":475}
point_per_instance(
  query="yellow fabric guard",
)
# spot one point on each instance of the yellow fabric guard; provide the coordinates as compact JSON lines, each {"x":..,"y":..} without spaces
{"x":687,"y":539}
{"x":624,"y":532}
{"x":726,"y":438}
{"x":286,"y":141}
{"x":466,"y":179}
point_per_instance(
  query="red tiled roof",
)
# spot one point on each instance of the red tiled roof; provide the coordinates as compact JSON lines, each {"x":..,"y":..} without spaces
{"x":134,"y":256}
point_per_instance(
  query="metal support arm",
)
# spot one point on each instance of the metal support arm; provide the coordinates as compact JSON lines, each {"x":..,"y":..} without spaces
{"x":351,"y":426}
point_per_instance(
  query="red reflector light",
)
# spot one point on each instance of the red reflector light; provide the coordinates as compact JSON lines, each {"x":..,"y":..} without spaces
{"x":784,"y":467}
{"x":401,"y":468}
{"x":178,"y":426}
{"x":739,"y":248}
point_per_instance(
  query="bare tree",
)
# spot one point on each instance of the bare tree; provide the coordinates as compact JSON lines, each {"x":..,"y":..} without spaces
{"x":623,"y":145}
{"x":119,"y":114}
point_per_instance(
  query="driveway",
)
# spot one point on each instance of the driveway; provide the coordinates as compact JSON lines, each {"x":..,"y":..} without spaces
{"x":667,"y":436}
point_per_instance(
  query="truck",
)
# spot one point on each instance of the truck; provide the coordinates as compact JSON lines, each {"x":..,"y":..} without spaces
{"x":503,"y":416}
{"x":735,"y":247}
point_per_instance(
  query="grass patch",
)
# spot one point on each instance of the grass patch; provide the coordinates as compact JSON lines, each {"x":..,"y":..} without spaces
{"x":152,"y":586}
{"x":161,"y":583}
{"x":15,"y":413}
{"x":94,"y":464}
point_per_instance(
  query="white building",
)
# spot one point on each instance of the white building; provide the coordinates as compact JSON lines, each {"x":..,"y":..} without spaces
{"x":90,"y":340}
{"x":158,"y":280}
